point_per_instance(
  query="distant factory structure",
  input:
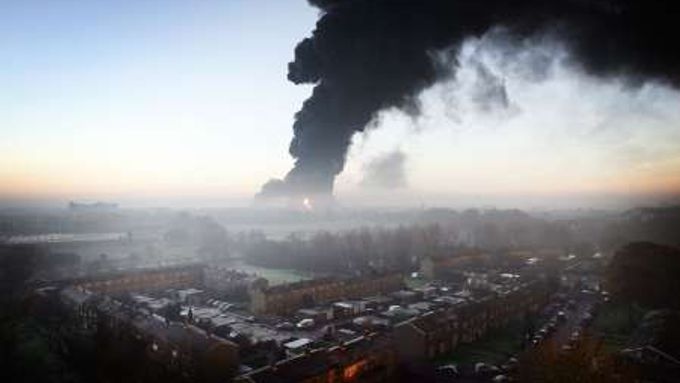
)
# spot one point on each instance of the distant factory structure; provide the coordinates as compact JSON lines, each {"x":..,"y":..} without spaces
{"x":92,"y":207}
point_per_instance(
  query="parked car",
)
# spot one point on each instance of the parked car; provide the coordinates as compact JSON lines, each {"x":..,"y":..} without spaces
{"x":510,"y":365}
{"x":561,"y":316}
{"x":486,"y":370}
{"x":586,"y":319}
{"x":286,"y":326}
{"x":447,"y":372}
{"x":305,"y":323}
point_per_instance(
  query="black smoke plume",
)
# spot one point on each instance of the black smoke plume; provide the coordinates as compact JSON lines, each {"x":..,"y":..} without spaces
{"x":368,"y":55}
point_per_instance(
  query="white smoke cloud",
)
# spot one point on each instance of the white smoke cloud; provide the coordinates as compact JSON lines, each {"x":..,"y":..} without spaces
{"x":385,"y":171}
{"x":521,"y":117}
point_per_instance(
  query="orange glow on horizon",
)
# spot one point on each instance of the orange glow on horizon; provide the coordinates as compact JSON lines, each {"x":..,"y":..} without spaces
{"x":42,"y":177}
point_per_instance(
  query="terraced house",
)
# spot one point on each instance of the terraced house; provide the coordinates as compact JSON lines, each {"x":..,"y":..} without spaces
{"x":144,"y":280}
{"x":366,"y":359}
{"x":285,"y":299}
{"x":440,"y":331}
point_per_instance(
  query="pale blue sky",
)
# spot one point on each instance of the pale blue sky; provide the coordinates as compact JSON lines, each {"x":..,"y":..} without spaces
{"x":142,"y":96}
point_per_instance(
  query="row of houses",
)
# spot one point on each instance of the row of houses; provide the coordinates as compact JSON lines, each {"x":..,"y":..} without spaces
{"x":368,"y":358}
{"x":415,"y":324}
{"x":450,"y":321}
{"x":222,"y":280}
{"x":143,"y":279}
{"x":178,"y":348}
{"x":440,"y":331}
{"x":227,"y":281}
{"x":286,"y":299}
{"x":166,"y":347}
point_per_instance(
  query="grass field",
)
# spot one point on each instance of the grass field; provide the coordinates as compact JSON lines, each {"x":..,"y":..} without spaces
{"x":415,"y":283}
{"x":614,"y":323}
{"x":276,"y":276}
{"x":495,"y":347}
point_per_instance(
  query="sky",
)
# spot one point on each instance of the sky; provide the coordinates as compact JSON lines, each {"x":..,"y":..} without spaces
{"x":160,"y":102}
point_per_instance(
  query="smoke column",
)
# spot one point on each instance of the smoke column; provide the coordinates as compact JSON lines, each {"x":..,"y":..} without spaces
{"x":368,"y":55}
{"x":385,"y":171}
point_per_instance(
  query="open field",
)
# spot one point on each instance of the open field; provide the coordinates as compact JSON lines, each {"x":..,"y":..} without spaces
{"x":495,"y":347}
{"x":614,"y":323}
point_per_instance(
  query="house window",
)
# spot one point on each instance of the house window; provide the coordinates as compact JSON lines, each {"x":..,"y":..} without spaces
{"x":353,"y":370}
